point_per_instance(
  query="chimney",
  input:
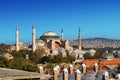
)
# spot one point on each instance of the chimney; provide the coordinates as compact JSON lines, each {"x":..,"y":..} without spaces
{"x":118,"y":76}
{"x":83,"y":68}
{"x":96,"y":67}
{"x":106,"y":76}
{"x":65,"y":74}
{"x":58,"y":68}
{"x":70,"y":69}
{"x":55,"y":73}
{"x":41,"y":69}
{"x":77,"y":75}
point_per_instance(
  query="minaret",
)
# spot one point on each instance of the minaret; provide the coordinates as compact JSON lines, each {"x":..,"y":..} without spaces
{"x":33,"y":39}
{"x":17,"y":39}
{"x":79,"y":39}
{"x":62,"y":34}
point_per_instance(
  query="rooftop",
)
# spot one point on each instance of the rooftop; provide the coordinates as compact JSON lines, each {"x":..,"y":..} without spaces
{"x":12,"y":74}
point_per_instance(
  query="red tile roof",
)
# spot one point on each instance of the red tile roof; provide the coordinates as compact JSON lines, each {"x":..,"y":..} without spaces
{"x":102,"y":63}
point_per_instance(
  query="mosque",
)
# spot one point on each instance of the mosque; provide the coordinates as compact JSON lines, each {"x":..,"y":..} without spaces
{"x":49,"y":40}
{"x":54,"y":45}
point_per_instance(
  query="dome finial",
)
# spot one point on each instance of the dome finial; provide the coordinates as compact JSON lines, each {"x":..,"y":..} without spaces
{"x":49,"y":30}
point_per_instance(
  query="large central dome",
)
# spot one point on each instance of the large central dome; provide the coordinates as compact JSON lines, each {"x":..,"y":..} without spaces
{"x":49,"y":35}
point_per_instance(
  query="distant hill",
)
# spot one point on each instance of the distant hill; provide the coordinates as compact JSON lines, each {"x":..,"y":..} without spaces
{"x":100,"y":39}
{"x":98,"y":43}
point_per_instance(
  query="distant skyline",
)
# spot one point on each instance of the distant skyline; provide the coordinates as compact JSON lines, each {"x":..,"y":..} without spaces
{"x":96,"y":18}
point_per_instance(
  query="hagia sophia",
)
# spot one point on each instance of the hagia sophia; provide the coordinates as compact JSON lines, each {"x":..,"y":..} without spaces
{"x":54,"y":45}
{"x":49,"y":41}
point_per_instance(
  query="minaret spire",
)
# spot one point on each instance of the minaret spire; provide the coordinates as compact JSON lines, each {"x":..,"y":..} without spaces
{"x":17,"y":39}
{"x":79,"y":39}
{"x":33,"y":38}
{"x":62,"y":34}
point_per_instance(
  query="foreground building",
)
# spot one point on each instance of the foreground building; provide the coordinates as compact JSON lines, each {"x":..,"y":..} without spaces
{"x":71,"y":73}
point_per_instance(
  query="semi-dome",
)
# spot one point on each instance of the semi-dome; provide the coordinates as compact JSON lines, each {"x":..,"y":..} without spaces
{"x":62,"y":51}
{"x":49,"y":35}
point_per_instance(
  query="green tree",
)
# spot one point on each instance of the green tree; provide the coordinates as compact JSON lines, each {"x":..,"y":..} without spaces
{"x":98,"y":53}
{"x":118,"y":68}
{"x":87,"y":56}
{"x":3,"y":62}
{"x":21,"y":53}
{"x":70,"y":59}
{"x":23,"y":64}
{"x":57,"y":59}
{"x":32,"y":68}
{"x":18,"y":63}
{"x":46,"y":59}
{"x":60,"y":59}
{"x":4,"y":48}
{"x":49,"y":66}
{"x":37,"y":55}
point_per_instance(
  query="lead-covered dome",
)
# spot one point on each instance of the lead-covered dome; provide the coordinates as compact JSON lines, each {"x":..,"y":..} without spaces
{"x":49,"y":35}
{"x":108,"y":56}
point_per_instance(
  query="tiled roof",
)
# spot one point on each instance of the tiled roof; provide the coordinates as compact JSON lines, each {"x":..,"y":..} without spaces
{"x":103,"y":62}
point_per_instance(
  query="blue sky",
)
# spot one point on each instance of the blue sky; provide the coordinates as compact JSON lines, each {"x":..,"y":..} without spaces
{"x":96,"y":18}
